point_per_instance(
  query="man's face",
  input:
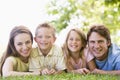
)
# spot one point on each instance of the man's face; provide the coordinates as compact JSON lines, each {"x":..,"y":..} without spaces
{"x":98,"y":46}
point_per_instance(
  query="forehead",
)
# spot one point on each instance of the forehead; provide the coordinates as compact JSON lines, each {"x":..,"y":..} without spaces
{"x":45,"y":30}
{"x":96,"y":36}
{"x":22,"y":37}
{"x":74,"y":34}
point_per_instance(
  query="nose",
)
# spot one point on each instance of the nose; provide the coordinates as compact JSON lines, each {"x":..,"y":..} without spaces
{"x":96,"y":45}
{"x":24,"y":46}
{"x":44,"y":39}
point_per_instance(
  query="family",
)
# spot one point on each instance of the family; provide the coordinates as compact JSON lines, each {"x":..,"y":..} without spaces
{"x":93,"y":53}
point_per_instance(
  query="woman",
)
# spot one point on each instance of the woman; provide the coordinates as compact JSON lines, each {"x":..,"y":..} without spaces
{"x":15,"y":60}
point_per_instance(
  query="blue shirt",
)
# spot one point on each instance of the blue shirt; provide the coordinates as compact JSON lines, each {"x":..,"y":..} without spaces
{"x":112,"y":62}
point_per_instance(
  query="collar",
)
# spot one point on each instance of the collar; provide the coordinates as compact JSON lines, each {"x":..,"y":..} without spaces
{"x":49,"y":54}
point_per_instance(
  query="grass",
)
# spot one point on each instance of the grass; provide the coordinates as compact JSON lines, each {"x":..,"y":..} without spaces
{"x":64,"y":76}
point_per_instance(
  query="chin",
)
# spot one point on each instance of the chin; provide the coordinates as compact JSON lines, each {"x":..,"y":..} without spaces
{"x":26,"y":56}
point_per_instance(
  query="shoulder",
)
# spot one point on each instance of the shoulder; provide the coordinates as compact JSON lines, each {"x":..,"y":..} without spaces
{"x":114,"y":53}
{"x":88,"y":55}
{"x":57,"y":50}
{"x":11,"y":59}
{"x":87,"y":52}
{"x":34,"y":52}
{"x":114,"y":50}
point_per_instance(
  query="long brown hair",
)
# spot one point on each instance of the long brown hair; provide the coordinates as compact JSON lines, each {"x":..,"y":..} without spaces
{"x":11,"y":50}
{"x":66,"y":51}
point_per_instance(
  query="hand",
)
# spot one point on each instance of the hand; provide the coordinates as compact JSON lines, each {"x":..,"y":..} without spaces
{"x":83,"y":71}
{"x":98,"y":71}
{"x":52,"y":71}
{"x":45,"y":71}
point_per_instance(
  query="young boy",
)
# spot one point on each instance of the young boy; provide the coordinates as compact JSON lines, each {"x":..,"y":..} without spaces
{"x":47,"y":57}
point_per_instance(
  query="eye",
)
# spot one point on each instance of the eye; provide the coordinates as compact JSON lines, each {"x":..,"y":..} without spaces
{"x":91,"y":42}
{"x":101,"y":41}
{"x":39,"y":36}
{"x":28,"y":42}
{"x":48,"y":37}
{"x":19,"y":44}
{"x":77,"y":39}
{"x":71,"y":39}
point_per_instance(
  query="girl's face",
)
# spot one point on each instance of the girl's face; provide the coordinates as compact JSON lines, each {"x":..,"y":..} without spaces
{"x":23,"y":44}
{"x":74,"y":42}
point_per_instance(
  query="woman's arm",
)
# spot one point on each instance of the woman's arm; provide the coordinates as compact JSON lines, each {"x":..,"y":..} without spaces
{"x":7,"y":70}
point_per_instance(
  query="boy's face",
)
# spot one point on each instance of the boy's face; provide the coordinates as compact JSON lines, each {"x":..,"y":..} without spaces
{"x":45,"y":39}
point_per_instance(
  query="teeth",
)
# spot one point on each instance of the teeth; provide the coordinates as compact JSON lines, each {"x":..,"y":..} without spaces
{"x":43,"y":43}
{"x":97,"y":51}
{"x":25,"y":52}
{"x":74,"y":46}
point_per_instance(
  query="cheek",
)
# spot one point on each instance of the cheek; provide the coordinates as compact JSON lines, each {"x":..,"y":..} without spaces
{"x":17,"y":48}
{"x":90,"y":45}
{"x":52,"y":40}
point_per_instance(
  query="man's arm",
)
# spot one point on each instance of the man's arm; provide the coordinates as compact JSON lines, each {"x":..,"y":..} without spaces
{"x":113,"y":72}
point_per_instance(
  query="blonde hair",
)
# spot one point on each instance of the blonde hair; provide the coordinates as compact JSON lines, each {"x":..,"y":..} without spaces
{"x":66,"y":51}
{"x":45,"y":25}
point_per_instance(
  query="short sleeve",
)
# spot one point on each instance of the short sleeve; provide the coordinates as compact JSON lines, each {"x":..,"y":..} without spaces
{"x":11,"y":58}
{"x":60,"y":65}
{"x":117,"y":63}
{"x":88,"y":55}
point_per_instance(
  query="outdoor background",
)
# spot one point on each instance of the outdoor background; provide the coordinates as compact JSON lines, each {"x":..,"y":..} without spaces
{"x":63,"y":14}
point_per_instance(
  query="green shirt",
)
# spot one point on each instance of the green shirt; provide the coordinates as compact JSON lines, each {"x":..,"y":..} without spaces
{"x":19,"y":65}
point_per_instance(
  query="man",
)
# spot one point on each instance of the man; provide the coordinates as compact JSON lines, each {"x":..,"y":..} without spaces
{"x":107,"y":55}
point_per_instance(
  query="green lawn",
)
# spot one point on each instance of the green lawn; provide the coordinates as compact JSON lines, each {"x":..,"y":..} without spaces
{"x":65,"y":76}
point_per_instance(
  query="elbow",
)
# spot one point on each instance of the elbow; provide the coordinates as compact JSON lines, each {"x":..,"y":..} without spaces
{"x":6,"y":74}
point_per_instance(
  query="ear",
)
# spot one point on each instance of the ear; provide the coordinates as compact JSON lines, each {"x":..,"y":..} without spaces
{"x":108,"y":43}
{"x":54,"y":39}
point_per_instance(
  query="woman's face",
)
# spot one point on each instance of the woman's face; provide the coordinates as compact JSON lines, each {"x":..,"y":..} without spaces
{"x":23,"y":44}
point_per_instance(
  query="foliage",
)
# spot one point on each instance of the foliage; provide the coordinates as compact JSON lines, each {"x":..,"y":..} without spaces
{"x":62,"y":13}
{"x":112,"y":2}
{"x":65,"y":76}
{"x":83,"y":13}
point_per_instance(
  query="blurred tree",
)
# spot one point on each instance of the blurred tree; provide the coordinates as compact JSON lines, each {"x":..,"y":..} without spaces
{"x":62,"y":10}
{"x":83,"y":13}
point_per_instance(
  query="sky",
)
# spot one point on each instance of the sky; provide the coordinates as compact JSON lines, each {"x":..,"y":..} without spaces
{"x":29,"y":13}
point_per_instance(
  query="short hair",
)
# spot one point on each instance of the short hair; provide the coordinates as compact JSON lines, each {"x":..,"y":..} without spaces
{"x":101,"y":30}
{"x":45,"y":25}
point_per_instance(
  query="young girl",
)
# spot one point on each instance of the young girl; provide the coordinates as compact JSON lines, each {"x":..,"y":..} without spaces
{"x":77,"y":56}
{"x":16,"y":58}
